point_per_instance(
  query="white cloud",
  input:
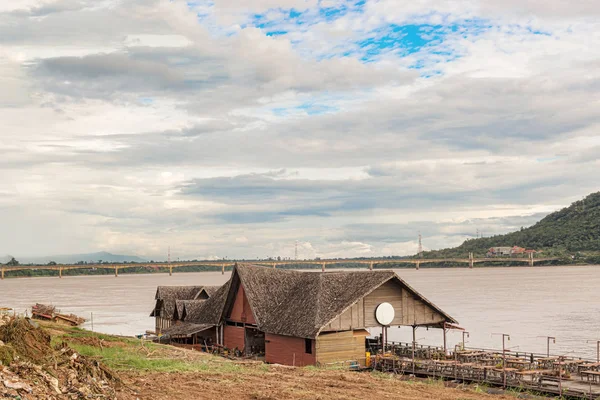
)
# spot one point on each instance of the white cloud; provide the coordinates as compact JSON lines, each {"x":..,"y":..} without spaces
{"x":145,"y":124}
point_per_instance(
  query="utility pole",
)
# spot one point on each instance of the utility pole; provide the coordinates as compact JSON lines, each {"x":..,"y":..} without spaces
{"x":296,"y":252}
{"x":420,"y":252}
{"x":465,"y":333}
{"x":504,"y":335}
{"x":169,"y":256}
{"x":548,"y":348}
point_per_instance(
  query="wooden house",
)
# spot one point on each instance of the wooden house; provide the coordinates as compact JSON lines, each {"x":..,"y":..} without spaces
{"x":171,"y":300}
{"x":307,"y":318}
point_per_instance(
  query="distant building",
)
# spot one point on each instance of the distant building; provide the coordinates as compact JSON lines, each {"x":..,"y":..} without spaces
{"x":517,"y":250}
{"x":499,"y":251}
{"x":505,"y":251}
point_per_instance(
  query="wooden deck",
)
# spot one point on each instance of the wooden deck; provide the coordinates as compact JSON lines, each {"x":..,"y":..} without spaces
{"x":574,"y":378}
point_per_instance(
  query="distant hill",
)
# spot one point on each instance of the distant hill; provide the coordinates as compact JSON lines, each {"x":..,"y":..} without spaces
{"x":573,"y":229}
{"x":74,"y":258}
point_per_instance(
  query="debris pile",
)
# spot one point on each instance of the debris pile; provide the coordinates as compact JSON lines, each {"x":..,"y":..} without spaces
{"x":30,"y":368}
{"x":49,"y":313}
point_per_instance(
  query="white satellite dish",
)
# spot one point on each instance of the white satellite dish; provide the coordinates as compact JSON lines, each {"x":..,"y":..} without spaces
{"x":384,"y":314}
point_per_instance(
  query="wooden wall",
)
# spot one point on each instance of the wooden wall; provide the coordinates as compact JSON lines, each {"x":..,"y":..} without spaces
{"x":408,"y":309}
{"x":336,"y":347}
{"x":353,"y":318}
{"x":234,"y":336}
{"x":241,"y":311}
{"x":288,"y":350}
{"x":161,"y":324}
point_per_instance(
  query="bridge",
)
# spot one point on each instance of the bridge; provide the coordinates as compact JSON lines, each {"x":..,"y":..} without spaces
{"x":369,"y":263}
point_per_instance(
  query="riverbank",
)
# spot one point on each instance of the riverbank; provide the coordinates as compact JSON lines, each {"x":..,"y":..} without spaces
{"x":109,"y":270}
{"x":150,"y":371}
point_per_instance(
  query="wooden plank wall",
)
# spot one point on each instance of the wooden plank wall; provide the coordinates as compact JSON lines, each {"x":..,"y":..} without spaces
{"x":287,"y":350}
{"x":337,"y":347}
{"x":353,"y":318}
{"x":234,"y":336}
{"x":241,"y":312}
{"x":408,"y":310}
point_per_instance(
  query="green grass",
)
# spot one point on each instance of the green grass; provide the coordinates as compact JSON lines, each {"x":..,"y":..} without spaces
{"x":134,"y":355}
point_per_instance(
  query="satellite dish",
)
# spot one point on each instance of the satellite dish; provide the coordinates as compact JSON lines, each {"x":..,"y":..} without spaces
{"x":384,"y":314}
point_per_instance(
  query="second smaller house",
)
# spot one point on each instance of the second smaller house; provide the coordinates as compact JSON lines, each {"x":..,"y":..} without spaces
{"x":171,"y":300}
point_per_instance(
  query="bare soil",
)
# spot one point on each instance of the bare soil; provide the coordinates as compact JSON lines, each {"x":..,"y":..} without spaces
{"x":287,"y":383}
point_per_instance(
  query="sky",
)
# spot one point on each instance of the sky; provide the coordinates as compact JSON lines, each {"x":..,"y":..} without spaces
{"x":235,"y":129}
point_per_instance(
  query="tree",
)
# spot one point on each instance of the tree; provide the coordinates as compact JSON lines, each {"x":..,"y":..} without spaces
{"x":52,"y":263}
{"x":12,"y":262}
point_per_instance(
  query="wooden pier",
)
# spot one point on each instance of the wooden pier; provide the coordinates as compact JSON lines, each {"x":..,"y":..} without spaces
{"x":558,"y":375}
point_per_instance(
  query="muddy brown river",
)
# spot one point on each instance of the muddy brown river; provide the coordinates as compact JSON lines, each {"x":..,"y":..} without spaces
{"x":527,"y":303}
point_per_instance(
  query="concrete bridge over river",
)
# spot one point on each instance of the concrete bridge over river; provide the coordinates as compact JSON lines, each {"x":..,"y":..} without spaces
{"x":368,"y":263}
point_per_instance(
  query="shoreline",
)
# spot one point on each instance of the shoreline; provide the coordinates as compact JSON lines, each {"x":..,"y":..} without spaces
{"x":109,"y":270}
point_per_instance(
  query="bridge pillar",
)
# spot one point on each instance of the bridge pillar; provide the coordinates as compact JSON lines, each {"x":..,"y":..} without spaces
{"x":418,"y":265}
{"x":170,"y":271}
{"x":471,"y":262}
{"x":223,"y":269}
{"x":2,"y":273}
{"x":116,"y":272}
{"x":60,"y":272}
{"x":531,"y":259}
{"x":274,"y":265}
{"x":323,"y":267}
{"x":371,"y":266}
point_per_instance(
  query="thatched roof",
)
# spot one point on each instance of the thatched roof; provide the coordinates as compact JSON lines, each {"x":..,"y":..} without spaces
{"x":209,"y":311}
{"x":300,"y":304}
{"x":169,"y":299}
{"x":210,"y":290}
{"x":185,"y":329}
{"x":177,"y":292}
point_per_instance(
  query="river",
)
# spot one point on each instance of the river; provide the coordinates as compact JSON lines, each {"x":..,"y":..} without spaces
{"x":527,"y":303}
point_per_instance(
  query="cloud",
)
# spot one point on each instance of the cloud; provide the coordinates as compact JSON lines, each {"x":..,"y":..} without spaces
{"x":236,"y":128}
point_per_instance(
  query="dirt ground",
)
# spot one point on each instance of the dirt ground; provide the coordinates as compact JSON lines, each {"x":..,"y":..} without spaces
{"x":51,"y":362}
{"x":285,"y":383}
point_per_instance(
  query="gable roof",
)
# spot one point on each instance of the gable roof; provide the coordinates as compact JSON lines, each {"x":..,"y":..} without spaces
{"x":208,"y":311}
{"x":170,"y":299}
{"x":300,"y":304}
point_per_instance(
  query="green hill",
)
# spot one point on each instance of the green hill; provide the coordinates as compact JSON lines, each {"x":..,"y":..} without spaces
{"x":571,"y":231}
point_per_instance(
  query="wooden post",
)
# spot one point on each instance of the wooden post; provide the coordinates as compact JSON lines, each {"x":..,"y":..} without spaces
{"x":445,"y":352}
{"x":414,"y":343}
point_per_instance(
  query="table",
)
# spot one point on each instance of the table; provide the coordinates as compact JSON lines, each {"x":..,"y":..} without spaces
{"x":588,"y":367}
{"x":570,"y":365}
{"x":546,"y":362}
{"x":594,"y":375}
{"x":518,"y":363}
